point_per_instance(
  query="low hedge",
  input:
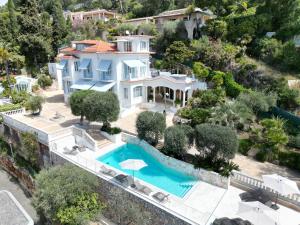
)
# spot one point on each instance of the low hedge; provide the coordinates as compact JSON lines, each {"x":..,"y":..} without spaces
{"x":9,"y":107}
{"x":232,"y":88}
{"x":245,"y":146}
{"x":290,"y":159}
{"x":111,"y":130}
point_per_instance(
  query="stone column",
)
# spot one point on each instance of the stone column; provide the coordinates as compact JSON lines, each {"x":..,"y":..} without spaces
{"x":183,"y":101}
{"x":146,"y":94}
{"x":174,"y":97}
{"x":154,"y":94}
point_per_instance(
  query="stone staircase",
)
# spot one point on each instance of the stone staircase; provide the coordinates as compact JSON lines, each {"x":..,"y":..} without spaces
{"x":101,"y":140}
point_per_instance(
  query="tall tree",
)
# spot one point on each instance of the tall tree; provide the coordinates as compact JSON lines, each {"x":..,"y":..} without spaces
{"x":35,"y":36}
{"x":59,"y":26}
{"x":13,"y":22}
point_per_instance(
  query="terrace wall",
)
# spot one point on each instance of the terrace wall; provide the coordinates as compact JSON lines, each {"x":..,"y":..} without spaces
{"x":186,"y":168}
{"x":128,"y":203}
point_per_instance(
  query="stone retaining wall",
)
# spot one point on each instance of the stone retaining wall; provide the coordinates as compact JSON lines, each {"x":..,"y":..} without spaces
{"x":126,"y":203}
{"x":183,"y":167}
{"x":24,"y":178}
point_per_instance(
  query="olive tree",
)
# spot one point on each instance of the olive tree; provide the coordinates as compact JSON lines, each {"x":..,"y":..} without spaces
{"x":150,"y":126}
{"x":76,"y":103}
{"x":215,"y":141}
{"x":35,"y":104}
{"x":177,"y":138}
{"x":67,"y":195}
{"x":102,"y":107}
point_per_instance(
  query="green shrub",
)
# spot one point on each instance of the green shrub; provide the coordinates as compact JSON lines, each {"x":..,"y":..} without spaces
{"x":262,"y":156}
{"x":197,"y":115}
{"x":175,"y":141}
{"x":111,"y":130}
{"x":224,"y":139}
{"x":150,"y":126}
{"x":9,"y":107}
{"x":44,"y":81}
{"x":35,"y":104}
{"x":19,"y":97}
{"x":294,"y":141}
{"x":290,"y":159}
{"x":232,"y":88}
{"x":245,"y":146}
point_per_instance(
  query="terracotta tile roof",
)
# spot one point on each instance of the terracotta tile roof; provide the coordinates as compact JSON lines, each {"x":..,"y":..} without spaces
{"x":93,"y":46}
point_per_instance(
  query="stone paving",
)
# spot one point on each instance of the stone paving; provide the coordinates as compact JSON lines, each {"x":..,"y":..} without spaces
{"x":10,"y":184}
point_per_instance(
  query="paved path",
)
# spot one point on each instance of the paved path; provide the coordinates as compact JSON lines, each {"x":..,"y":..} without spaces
{"x":8,"y":183}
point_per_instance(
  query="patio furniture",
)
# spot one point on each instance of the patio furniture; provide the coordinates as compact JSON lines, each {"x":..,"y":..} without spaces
{"x":258,"y":195}
{"x":70,"y":151}
{"x":81,"y":148}
{"x":134,"y":165}
{"x":281,"y":185}
{"x":142,"y":188}
{"x":125,"y":180}
{"x":258,"y":213}
{"x":161,"y":197}
{"x":108,"y":172}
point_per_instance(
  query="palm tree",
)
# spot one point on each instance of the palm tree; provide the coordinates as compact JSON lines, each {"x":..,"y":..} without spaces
{"x":5,"y":57}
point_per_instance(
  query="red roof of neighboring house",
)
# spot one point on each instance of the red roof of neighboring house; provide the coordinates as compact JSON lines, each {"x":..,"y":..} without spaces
{"x":93,"y":46}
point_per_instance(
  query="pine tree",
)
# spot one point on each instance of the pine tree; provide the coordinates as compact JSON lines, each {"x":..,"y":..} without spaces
{"x":35,"y":36}
{"x":59,"y":26}
{"x":13,"y":22}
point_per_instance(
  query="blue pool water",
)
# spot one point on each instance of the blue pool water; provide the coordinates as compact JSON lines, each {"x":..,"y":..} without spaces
{"x":155,"y":173}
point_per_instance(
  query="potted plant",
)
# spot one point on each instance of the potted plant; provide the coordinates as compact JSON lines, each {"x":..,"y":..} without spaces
{"x":112,"y":133}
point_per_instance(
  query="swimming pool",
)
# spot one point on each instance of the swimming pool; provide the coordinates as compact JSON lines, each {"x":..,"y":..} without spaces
{"x":155,"y":173}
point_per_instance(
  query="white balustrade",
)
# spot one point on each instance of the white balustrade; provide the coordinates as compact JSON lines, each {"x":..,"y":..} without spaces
{"x":251,"y":182}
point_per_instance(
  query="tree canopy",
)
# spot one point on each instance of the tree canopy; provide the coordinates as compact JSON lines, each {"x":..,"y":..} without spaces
{"x":102,"y":107}
{"x":77,"y":103}
{"x":150,"y":126}
{"x":215,"y":141}
{"x":67,"y":195}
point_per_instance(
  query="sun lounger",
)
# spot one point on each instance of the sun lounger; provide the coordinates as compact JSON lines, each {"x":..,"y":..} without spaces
{"x":142,"y":188}
{"x":70,"y":151}
{"x":256,"y":195}
{"x":107,"y":171}
{"x":81,"y":148}
{"x":124,"y":179}
{"x":161,"y":197}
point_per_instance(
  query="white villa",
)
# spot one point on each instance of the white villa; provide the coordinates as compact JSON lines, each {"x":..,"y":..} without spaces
{"x":122,"y":67}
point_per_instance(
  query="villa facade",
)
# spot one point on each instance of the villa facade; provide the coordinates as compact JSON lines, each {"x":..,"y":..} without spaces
{"x":79,"y":18}
{"x":193,"y":21}
{"x":122,"y":67}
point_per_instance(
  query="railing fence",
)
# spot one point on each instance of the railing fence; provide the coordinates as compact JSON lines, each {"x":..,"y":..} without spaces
{"x":254,"y":183}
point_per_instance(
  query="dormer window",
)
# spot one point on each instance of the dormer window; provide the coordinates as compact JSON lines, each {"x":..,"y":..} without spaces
{"x":80,"y":47}
{"x":127,"y":46}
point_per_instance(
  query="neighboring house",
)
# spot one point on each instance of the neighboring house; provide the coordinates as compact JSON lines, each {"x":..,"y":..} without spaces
{"x":11,"y":212}
{"x":123,"y":68}
{"x":192,"y":21}
{"x":79,"y":18}
{"x":24,"y":83}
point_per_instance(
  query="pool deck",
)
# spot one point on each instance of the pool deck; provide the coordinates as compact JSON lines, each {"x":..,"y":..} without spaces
{"x":201,"y":205}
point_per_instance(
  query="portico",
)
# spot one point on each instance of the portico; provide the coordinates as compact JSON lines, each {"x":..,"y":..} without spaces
{"x":175,"y":89}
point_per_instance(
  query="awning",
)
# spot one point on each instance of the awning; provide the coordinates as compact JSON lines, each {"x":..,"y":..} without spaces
{"x":84,"y":64}
{"x":92,"y":85}
{"x":83,"y":85}
{"x":134,"y":63}
{"x":104,"y":65}
{"x":62,"y":64}
{"x":102,"y":86}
